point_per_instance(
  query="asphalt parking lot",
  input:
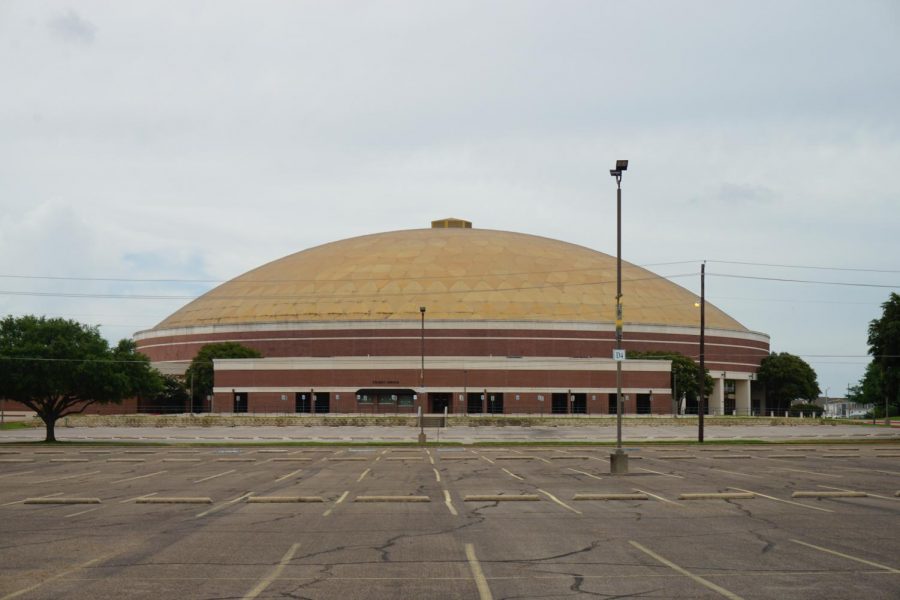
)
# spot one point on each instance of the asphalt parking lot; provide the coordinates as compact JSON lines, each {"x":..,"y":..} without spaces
{"x":449,"y":522}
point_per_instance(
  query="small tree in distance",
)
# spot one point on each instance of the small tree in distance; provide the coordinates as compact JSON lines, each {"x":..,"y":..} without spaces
{"x":787,"y":377}
{"x":57,"y":367}
{"x":199,"y":375}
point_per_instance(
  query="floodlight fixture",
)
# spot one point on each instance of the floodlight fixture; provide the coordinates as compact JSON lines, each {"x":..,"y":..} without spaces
{"x":621,"y":165}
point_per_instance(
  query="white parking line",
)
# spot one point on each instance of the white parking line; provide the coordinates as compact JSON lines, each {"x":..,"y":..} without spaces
{"x":810,"y":472}
{"x":21,"y":501}
{"x":363,"y":474}
{"x":139,"y":477}
{"x":137,"y":498}
{"x":871,"y":495}
{"x":224,"y":505}
{"x":214,"y":476}
{"x":268,"y":579}
{"x":486,"y":458}
{"x":288,"y":475}
{"x":704,"y":582}
{"x":842,"y":555}
{"x":339,"y":500}
{"x":18,"y":473}
{"x":558,"y":501}
{"x":68,"y":571}
{"x":782,"y":500}
{"x":658,"y":497}
{"x":82,"y":512}
{"x":67,"y":477}
{"x":437,"y":475}
{"x":449,"y":502}
{"x":484,"y":591}
{"x":735,"y":473}
{"x":583,"y":473}
{"x":511,"y":474}
{"x":660,"y":473}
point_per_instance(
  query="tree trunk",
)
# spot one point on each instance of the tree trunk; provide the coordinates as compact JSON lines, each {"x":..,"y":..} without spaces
{"x":50,"y":422}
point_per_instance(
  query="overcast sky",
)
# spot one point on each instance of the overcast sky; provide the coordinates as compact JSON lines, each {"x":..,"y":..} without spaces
{"x":197,"y":140}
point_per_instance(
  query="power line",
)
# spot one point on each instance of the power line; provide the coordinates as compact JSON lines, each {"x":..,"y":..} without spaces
{"x":786,"y":280}
{"x":819,"y":268}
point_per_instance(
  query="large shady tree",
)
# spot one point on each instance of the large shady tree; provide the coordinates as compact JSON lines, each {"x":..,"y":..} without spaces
{"x":684,"y":373}
{"x":57,"y":367}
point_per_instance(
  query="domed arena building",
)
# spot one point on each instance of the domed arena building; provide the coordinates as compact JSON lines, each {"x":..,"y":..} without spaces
{"x":457,"y":318}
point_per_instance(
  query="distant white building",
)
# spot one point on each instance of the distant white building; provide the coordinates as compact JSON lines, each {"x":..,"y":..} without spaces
{"x":841,"y":408}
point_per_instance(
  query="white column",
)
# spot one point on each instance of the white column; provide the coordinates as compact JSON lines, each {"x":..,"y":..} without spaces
{"x":717,"y":401}
{"x":742,"y":396}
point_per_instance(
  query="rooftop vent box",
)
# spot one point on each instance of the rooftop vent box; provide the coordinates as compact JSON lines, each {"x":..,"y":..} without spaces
{"x":448,"y":223}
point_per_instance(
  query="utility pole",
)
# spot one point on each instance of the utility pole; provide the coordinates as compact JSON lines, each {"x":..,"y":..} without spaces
{"x":701,"y":377}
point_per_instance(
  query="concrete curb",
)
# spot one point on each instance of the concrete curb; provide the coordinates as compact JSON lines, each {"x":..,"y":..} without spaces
{"x":718,"y":496}
{"x":610,"y":497}
{"x":63,"y":501}
{"x":829,"y":495}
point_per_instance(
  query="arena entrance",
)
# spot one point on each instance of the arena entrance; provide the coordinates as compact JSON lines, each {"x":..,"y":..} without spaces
{"x":377,"y":400}
{"x":644,"y":404}
{"x":240,"y":402}
{"x":475,"y":403}
{"x":308,"y":402}
{"x":440,"y":401}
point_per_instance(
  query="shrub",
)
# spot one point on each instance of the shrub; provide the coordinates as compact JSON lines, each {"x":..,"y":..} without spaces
{"x":808,"y":410}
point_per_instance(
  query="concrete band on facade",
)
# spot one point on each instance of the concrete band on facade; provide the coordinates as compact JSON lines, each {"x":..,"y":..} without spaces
{"x":525,"y":319}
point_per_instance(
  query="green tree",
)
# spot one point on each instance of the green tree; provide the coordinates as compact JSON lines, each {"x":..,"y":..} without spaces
{"x":173,"y":397}
{"x":787,"y":377}
{"x":57,"y":367}
{"x":683,"y":379}
{"x":199,"y":375}
{"x":884,"y":346}
{"x":870,"y":389}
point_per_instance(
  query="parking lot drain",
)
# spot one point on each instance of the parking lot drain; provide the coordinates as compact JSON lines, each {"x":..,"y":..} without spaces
{"x":610,"y":497}
{"x":283,"y":499}
{"x":170,"y":500}
{"x":718,"y":496}
{"x":502,"y":498}
{"x":392,"y":499}
{"x":62,"y":501}
{"x":829,"y":495}
{"x":134,"y":460}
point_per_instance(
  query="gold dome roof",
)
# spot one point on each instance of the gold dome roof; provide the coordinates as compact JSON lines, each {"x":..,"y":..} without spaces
{"x":457,"y":273}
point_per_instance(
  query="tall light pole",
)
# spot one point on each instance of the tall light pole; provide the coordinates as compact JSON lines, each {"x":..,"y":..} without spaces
{"x":701,"y":376}
{"x":618,"y":461}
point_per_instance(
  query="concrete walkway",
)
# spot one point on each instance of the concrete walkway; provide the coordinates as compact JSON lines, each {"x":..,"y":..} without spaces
{"x":632,"y":433}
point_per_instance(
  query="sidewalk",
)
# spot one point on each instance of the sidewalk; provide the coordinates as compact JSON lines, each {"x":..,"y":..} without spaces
{"x":464,"y":435}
